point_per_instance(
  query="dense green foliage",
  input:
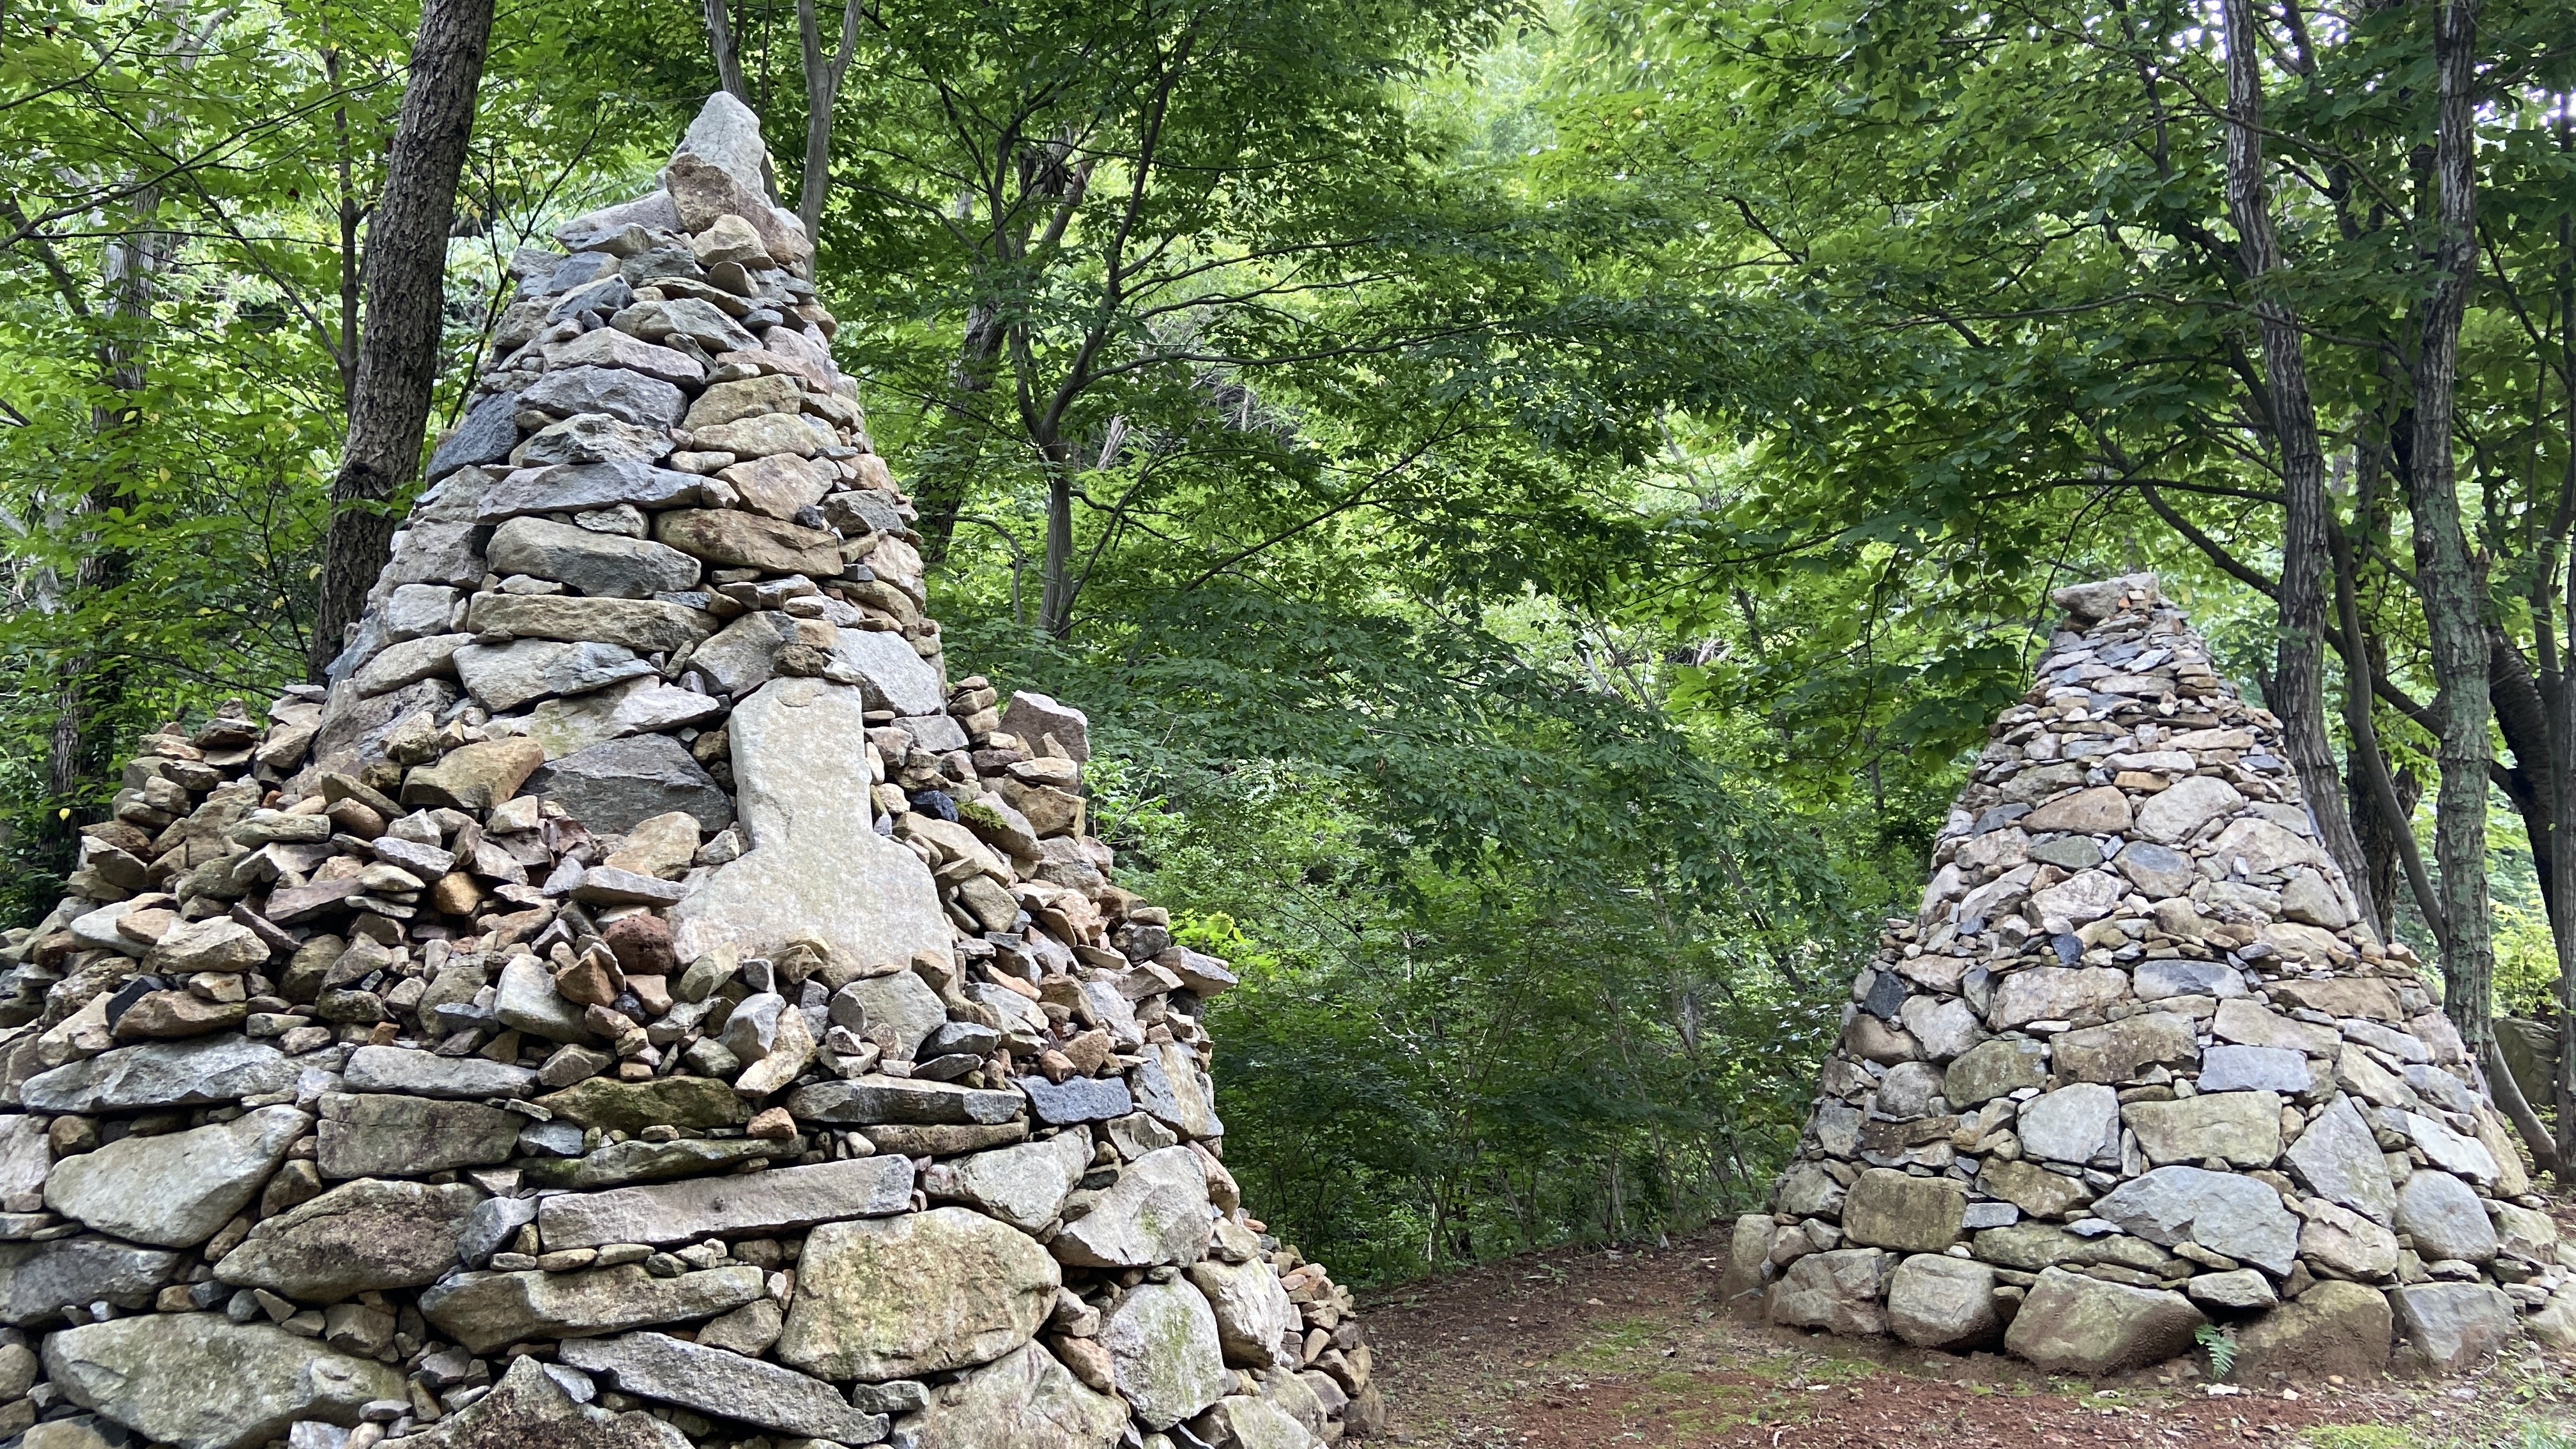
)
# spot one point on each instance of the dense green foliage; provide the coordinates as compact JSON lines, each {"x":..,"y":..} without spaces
{"x":1539,"y":504}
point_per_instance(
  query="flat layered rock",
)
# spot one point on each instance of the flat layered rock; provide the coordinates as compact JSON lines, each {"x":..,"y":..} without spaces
{"x":483,"y":1311}
{"x":217,"y":1069}
{"x":2225,"y":1212}
{"x":864,"y":1101}
{"x":1024,"y":1186}
{"x":778,"y":1200}
{"x":727,"y":1385}
{"x":528,"y":1409}
{"x":426,"y":1074}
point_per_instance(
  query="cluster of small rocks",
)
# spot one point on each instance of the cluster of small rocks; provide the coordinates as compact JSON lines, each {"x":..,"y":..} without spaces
{"x":2136,"y":1069}
{"x":639,"y":1003}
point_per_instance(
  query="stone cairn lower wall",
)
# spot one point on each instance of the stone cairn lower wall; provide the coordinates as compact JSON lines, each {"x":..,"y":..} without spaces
{"x":640,"y":1003}
{"x":2136,"y":1069}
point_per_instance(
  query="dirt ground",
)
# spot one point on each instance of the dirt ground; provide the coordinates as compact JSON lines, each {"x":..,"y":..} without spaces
{"x":1583,"y":1348}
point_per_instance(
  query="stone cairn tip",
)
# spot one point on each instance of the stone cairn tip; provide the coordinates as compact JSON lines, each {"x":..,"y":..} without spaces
{"x":641,"y":1002}
{"x":2136,"y":1068}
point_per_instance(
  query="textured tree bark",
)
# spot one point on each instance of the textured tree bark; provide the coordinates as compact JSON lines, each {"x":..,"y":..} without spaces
{"x":405,"y":272}
{"x":2452,"y":580}
{"x":2298,"y":693}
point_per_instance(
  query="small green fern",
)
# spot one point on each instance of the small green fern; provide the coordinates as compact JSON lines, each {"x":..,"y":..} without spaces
{"x":2222,"y":1348}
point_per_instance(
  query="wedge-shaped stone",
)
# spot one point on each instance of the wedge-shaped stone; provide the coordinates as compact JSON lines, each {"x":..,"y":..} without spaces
{"x":528,"y":1409}
{"x":1023,"y":1186}
{"x":1156,"y":1212}
{"x":175,"y":1190}
{"x":1023,"y":1400}
{"x":890,"y":674}
{"x":427,"y":1074}
{"x":2225,"y":1212}
{"x":727,"y":1385}
{"x":2171,"y":816}
{"x":625,"y":395}
{"x":162,"y":1074}
{"x":894,"y":1298}
{"x":2077,"y":1124}
{"x":199,"y":1381}
{"x":2445,"y":1218}
{"x":2339,"y":1158}
{"x":2034,"y":1189}
{"x":779,"y":1200}
{"x":615,"y":1106}
{"x":2074,"y":1324}
{"x":486,"y":1310}
{"x":361,"y":1236}
{"x":473,"y":777}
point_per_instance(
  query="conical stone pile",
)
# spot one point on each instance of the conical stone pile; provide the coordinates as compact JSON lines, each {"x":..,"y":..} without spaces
{"x":2135,"y":1069}
{"x":641,"y":1003}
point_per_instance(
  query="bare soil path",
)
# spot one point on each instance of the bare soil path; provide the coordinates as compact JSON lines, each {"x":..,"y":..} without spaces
{"x":1580,"y":1349}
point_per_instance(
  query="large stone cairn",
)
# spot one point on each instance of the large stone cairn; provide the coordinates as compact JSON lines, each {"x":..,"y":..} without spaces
{"x":2136,"y":1069}
{"x":640,"y":1004}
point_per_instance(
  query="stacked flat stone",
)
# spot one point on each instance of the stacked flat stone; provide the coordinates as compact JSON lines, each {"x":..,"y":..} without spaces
{"x":2136,"y":1068}
{"x":640,"y":1003}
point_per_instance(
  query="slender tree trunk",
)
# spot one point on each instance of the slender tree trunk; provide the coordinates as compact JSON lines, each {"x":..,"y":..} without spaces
{"x":2298,"y":692}
{"x":2453,"y":583}
{"x":728,"y":54}
{"x":823,"y":77}
{"x":2562,"y":698}
{"x":405,"y":271}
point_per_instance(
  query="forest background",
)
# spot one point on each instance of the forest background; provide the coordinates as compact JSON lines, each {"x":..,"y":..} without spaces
{"x":1540,"y":502}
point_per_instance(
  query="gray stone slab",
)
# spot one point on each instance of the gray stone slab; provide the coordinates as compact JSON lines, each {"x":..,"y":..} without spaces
{"x":727,"y":1385}
{"x":779,"y":1200}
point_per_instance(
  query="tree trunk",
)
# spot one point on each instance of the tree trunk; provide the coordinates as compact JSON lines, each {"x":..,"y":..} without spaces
{"x":2298,"y":692}
{"x":823,"y":77}
{"x":728,"y":55}
{"x":405,"y":271}
{"x":2451,"y":579}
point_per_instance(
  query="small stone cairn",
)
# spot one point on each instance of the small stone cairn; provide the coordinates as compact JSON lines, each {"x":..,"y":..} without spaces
{"x":640,"y":1004}
{"x":2137,"y":1069}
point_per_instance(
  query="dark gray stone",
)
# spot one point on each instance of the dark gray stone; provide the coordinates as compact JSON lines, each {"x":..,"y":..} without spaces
{"x":2158,"y":871}
{"x":627,"y":396}
{"x":572,"y":487}
{"x":1078,"y":1099}
{"x":2224,"y":1212}
{"x":38,"y":1279}
{"x":486,"y":434}
{"x":2445,"y":1217}
{"x":614,"y":786}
